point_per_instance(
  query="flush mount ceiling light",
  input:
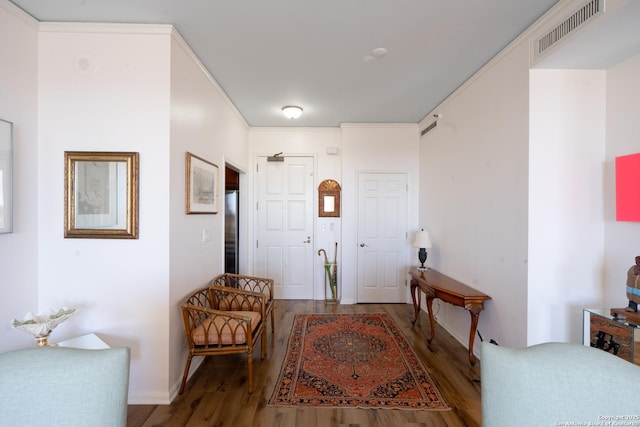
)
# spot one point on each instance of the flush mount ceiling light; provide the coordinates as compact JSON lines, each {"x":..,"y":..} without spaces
{"x":292,"y":111}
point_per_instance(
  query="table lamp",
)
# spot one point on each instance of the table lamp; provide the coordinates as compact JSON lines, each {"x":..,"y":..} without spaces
{"x":423,"y":242}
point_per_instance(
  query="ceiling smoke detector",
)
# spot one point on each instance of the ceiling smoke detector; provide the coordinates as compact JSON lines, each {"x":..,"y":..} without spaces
{"x":379,"y":52}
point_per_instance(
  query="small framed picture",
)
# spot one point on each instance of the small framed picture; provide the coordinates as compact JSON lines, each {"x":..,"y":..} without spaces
{"x":101,"y":195}
{"x":6,"y":174}
{"x":202,"y":186}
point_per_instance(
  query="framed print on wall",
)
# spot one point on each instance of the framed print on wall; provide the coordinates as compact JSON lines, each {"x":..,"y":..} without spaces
{"x":6,"y":176}
{"x":101,"y":195}
{"x":202,"y":186}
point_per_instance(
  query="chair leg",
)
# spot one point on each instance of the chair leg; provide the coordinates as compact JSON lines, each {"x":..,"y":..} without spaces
{"x":273,"y":325}
{"x":250,"y":371}
{"x":186,"y":373}
{"x":263,"y":345}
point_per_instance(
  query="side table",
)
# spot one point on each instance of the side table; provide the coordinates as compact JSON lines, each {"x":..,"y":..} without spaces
{"x":437,"y":285}
{"x":88,"y":342}
{"x":612,"y":334}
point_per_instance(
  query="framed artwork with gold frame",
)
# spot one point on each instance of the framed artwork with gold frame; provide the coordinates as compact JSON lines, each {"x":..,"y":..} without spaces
{"x":101,"y":195}
{"x":202,"y":186}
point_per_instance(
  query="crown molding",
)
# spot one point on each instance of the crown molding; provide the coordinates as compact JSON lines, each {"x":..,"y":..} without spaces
{"x":20,"y":14}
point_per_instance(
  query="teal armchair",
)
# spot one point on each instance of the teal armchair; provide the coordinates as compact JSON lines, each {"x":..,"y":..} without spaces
{"x":58,"y":386}
{"x":555,"y":384}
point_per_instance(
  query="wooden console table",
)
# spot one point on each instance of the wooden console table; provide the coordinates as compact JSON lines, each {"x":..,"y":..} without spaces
{"x":437,"y":285}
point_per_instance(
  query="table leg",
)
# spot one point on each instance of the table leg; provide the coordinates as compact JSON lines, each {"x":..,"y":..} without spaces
{"x":431,"y":319}
{"x":474,"y":311}
{"x":416,"y":305}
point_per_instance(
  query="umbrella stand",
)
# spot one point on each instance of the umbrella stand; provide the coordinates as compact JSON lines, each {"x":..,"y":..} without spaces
{"x":330,"y":277}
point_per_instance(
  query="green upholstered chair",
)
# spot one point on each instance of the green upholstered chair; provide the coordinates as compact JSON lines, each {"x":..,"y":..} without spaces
{"x":555,"y":384}
{"x":58,"y":386}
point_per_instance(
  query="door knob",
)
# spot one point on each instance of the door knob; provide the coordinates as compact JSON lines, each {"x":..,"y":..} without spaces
{"x":308,"y":240}
{"x":362,"y":245}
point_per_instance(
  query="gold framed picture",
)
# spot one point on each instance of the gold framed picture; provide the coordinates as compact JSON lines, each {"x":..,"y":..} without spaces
{"x":202,"y":186}
{"x":101,"y":195}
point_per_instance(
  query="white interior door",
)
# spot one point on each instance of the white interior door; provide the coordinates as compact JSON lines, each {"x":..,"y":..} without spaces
{"x":284,"y":246}
{"x":382,"y":237}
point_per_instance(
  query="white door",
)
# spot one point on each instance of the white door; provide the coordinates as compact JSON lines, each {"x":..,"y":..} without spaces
{"x":382,"y":237}
{"x":284,"y":246}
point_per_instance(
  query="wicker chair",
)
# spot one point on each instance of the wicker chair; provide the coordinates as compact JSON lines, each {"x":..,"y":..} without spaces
{"x":249,"y":283}
{"x":221,"y":320}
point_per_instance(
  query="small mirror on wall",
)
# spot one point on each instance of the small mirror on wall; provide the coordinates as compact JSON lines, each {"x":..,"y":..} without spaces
{"x":329,"y":198}
{"x":6,"y":176}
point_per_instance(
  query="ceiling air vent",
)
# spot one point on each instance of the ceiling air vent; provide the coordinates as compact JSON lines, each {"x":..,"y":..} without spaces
{"x":429,"y":128}
{"x":580,"y":17}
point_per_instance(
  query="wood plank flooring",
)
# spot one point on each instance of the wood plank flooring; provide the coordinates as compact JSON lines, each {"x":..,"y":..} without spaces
{"x":216,"y":395}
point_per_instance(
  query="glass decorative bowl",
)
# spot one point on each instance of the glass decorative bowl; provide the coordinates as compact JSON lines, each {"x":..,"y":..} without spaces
{"x":41,"y":325}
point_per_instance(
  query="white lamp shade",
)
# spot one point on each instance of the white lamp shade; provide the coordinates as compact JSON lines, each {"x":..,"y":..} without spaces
{"x":422,"y":240}
{"x":292,"y":111}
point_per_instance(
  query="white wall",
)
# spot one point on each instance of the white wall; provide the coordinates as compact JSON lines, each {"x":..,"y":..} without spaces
{"x":204,"y":123}
{"x":554,"y":247}
{"x":106,"y":88}
{"x":90,"y":87}
{"x":622,"y":239}
{"x":375,"y":148}
{"x":473,"y":196}
{"x":566,"y":189}
{"x":582,"y":120}
{"x":18,"y":104}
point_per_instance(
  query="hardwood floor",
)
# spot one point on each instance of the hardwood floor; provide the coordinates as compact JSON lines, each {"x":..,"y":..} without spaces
{"x":216,"y":395}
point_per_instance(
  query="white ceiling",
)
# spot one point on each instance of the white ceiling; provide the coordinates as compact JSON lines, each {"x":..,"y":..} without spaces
{"x":269,"y":53}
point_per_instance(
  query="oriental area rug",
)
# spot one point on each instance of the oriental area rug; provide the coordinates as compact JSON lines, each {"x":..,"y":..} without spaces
{"x":353,"y":360}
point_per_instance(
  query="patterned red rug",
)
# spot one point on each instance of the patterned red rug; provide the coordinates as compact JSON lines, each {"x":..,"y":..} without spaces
{"x":353,"y":360}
